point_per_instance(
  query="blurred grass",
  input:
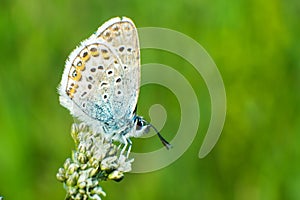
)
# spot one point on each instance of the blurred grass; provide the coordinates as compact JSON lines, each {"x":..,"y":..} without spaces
{"x":255,"y":45}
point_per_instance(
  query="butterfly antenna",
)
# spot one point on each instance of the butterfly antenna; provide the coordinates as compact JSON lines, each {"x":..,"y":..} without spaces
{"x":162,"y":139}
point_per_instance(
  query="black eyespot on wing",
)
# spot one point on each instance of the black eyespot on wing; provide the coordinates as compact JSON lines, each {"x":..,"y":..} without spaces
{"x":121,"y":49}
{"x":100,"y":67}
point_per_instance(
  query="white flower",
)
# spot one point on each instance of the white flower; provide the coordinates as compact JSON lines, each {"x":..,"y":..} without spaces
{"x":95,"y":159}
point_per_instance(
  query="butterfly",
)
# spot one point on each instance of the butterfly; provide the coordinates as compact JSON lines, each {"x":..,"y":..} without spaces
{"x":101,"y":80}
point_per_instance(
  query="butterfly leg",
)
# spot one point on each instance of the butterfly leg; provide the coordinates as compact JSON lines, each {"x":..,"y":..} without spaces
{"x":119,"y":146}
{"x":127,"y":145}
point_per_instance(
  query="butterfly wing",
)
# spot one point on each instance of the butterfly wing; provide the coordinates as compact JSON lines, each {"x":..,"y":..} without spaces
{"x":122,"y":38}
{"x":101,"y":80}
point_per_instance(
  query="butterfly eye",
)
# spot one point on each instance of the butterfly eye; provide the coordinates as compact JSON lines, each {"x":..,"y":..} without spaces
{"x":140,"y":122}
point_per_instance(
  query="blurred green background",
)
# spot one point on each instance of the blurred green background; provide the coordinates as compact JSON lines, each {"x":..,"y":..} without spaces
{"x":255,"y":45}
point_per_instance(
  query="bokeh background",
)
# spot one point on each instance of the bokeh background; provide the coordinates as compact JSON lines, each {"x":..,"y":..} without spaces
{"x":255,"y":45}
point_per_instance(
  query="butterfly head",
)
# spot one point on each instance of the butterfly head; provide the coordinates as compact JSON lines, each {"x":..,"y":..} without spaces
{"x":142,"y":127}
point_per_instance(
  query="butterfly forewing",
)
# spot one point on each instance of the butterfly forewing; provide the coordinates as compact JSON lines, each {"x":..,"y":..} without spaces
{"x":122,"y":38}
